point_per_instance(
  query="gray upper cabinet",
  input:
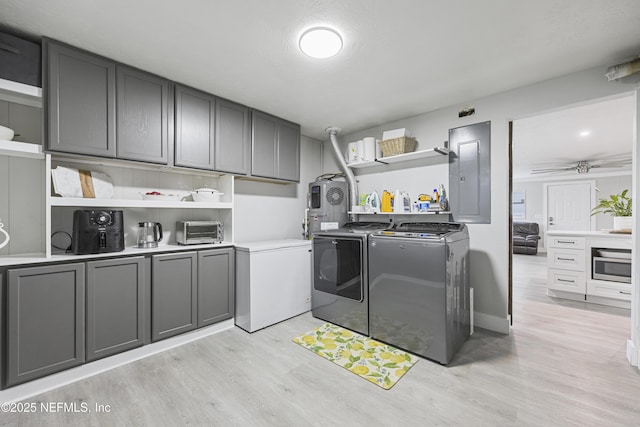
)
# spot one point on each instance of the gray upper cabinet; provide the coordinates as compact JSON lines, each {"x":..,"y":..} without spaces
{"x":194,"y":128}
{"x":81,"y":101}
{"x":289,"y":151}
{"x":233,"y":143}
{"x":142,"y":121}
{"x":45,"y":321}
{"x":275,"y":147}
{"x":116,"y":315}
{"x":174,"y":286}
{"x":216,"y":286}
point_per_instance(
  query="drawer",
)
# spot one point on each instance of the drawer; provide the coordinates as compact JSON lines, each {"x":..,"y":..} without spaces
{"x":567,"y":281}
{"x":567,"y":259}
{"x":566,"y":242}
{"x":616,"y":290}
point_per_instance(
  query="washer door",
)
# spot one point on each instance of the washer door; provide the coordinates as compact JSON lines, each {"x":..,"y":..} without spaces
{"x":337,"y":266}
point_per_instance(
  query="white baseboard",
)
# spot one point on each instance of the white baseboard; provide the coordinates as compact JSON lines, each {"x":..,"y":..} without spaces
{"x":51,"y":382}
{"x":492,"y":323}
{"x":633,"y":353}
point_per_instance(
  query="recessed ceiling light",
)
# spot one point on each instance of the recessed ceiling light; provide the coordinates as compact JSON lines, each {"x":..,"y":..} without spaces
{"x":320,"y":42}
{"x":585,"y":133}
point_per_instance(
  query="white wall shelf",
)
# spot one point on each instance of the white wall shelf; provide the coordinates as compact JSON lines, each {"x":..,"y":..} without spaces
{"x":129,"y":203}
{"x":20,"y":93}
{"x":423,"y":154}
{"x":21,"y":149}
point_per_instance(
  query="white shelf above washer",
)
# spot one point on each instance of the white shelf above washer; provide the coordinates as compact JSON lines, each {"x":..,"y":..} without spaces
{"x":423,"y":154}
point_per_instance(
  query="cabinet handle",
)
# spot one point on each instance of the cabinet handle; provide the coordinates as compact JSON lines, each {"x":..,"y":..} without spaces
{"x":625,"y":293}
{"x":569,"y":242}
{"x":11,"y":49}
{"x":566,"y":259}
{"x":568,"y":281}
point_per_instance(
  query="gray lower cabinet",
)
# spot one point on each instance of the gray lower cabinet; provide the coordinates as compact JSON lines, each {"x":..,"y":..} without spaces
{"x":174,"y":287}
{"x":275,"y":147}
{"x":45,"y":321}
{"x":194,"y":128}
{"x":216,"y":287}
{"x":116,"y":315}
{"x":81,"y":101}
{"x":142,"y":120}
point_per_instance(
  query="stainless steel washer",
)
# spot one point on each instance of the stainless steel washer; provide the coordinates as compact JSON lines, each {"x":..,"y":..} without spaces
{"x":340,"y":289}
{"x":419,"y":288}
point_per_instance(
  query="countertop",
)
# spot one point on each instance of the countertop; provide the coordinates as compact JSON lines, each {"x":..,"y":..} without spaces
{"x":599,"y":234}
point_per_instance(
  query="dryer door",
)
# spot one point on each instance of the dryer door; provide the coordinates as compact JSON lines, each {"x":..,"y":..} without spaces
{"x":337,"y":266}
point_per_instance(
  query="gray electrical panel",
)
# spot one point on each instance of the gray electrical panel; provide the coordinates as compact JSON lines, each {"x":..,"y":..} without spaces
{"x":470,"y":173}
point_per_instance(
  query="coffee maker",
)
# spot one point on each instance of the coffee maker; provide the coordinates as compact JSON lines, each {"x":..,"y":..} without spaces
{"x":96,"y":232}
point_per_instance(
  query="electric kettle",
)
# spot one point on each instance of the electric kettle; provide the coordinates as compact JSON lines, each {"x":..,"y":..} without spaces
{"x":149,"y":234}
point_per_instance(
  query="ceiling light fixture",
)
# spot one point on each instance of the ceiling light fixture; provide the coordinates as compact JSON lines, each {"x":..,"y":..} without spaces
{"x":585,"y":133}
{"x":320,"y":42}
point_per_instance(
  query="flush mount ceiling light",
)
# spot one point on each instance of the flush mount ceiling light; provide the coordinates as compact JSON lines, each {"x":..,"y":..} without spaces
{"x":585,"y":133}
{"x":320,"y":42}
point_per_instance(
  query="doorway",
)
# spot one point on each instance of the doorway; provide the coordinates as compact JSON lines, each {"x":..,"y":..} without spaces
{"x":554,"y":192}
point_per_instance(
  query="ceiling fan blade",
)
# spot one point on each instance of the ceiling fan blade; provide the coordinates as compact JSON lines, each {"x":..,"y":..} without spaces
{"x":560,"y":170}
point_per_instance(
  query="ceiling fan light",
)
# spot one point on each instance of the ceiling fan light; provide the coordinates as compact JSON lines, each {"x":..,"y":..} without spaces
{"x":583,"y":167}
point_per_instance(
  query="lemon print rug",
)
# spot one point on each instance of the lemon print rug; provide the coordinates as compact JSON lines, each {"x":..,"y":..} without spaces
{"x":372,"y":360}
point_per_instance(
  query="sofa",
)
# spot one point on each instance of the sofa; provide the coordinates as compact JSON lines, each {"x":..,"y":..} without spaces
{"x":526,"y":236}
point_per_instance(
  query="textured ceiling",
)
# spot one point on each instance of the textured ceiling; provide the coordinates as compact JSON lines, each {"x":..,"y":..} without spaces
{"x":400,"y":58}
{"x":554,"y":140}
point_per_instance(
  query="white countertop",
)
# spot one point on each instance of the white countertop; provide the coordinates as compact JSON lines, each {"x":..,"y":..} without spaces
{"x":599,"y":234}
{"x":26,"y":259}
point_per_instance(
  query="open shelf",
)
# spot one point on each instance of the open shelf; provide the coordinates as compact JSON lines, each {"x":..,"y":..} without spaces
{"x":136,"y":203}
{"x":423,"y":154}
{"x":20,"y":93}
{"x":21,"y":149}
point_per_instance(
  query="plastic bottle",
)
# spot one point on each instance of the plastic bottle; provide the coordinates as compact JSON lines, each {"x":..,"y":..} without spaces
{"x":436,"y":196}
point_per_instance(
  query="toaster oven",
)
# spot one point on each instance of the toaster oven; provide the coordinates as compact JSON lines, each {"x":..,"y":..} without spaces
{"x":199,"y":232}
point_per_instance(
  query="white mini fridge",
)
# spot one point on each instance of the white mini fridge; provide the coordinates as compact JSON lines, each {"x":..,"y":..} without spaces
{"x":273,"y":282}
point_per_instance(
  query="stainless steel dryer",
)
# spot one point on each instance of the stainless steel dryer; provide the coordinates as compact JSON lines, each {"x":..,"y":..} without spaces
{"x":419,"y":288}
{"x":339,"y":291}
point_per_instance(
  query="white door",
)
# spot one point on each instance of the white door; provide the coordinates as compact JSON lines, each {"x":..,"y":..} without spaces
{"x":568,"y":205}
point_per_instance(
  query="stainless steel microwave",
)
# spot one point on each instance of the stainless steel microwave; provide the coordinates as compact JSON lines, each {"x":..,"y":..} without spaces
{"x":199,"y":232}
{"x":612,"y":269}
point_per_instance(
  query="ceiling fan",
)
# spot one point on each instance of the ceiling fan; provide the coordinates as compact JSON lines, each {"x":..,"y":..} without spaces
{"x":584,"y":166}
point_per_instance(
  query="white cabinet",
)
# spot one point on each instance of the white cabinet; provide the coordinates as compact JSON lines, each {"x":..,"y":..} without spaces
{"x":566,"y":260}
{"x":273,"y":282}
{"x":570,"y":267}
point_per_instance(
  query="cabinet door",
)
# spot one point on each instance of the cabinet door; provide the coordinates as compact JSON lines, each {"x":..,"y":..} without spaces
{"x":264,"y":132}
{"x":115,"y":306}
{"x":215,"y":286}
{"x":45,"y":321}
{"x":142,"y":127}
{"x":232,"y":137}
{"x":174,"y":284}
{"x":194,"y":127}
{"x":81,"y":104}
{"x":288,"y":151}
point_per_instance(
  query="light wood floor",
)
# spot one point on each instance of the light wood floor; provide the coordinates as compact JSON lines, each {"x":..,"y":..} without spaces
{"x":564,"y":364}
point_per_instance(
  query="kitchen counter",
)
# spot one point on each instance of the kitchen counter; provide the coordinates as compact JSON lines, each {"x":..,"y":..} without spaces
{"x":601,"y":233}
{"x":571,"y":256}
{"x":26,"y":259}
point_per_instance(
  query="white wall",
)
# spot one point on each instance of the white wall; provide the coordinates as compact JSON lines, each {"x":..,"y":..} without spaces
{"x":268,"y":211}
{"x":489,"y":242}
{"x":534,"y":196}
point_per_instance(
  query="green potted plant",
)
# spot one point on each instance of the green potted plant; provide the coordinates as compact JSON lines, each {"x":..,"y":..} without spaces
{"x":618,"y":205}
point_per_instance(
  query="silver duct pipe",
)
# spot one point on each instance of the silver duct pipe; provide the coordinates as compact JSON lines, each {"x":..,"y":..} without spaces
{"x":342,"y":164}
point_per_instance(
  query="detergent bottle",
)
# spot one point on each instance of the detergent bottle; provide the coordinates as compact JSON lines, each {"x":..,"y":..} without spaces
{"x":387,"y":202}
